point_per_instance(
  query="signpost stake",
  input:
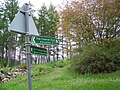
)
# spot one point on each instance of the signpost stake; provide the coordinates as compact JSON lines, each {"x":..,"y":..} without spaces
{"x":27,"y":42}
{"x":23,"y":24}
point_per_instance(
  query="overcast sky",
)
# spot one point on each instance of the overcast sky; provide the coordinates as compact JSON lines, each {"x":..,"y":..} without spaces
{"x":38,"y":3}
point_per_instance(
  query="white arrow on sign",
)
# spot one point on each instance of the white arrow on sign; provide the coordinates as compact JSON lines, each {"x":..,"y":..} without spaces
{"x":33,"y":39}
{"x":18,"y":23}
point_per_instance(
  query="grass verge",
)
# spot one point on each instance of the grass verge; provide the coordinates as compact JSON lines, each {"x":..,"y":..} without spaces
{"x":47,"y":77}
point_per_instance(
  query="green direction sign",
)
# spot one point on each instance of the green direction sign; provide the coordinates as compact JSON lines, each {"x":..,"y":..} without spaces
{"x":45,"y":40}
{"x":38,"y":50}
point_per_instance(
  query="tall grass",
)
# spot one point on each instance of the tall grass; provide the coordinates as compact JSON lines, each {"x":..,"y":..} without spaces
{"x":47,"y":77}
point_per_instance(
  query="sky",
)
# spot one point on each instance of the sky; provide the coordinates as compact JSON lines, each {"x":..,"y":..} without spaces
{"x":38,"y":3}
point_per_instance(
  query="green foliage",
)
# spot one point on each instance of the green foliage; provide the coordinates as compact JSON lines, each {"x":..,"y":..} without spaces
{"x":98,"y":58}
{"x":5,"y":70}
{"x":8,"y":9}
{"x":85,"y":21}
{"x":62,"y":79}
{"x":60,"y":64}
{"x":47,"y":22}
{"x":3,"y":62}
{"x":23,"y":66}
{"x":47,"y":68}
{"x":41,"y":70}
{"x":112,"y":48}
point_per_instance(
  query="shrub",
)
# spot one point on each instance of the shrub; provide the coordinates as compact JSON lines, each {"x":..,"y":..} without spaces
{"x":60,"y":63}
{"x":41,"y":70}
{"x":23,"y":66}
{"x":112,"y":49}
{"x":3,"y":62}
{"x":98,"y":58}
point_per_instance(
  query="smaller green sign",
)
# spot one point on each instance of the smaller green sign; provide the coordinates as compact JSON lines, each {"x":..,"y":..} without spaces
{"x":38,"y":50}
